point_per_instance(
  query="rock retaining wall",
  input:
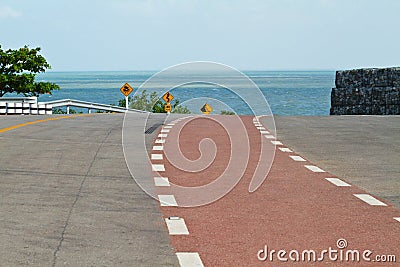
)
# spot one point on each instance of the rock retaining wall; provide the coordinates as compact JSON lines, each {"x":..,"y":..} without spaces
{"x":366,"y":92}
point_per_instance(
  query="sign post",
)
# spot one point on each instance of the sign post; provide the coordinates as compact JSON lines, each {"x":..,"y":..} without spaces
{"x":167,"y":97}
{"x":167,"y":107}
{"x":126,"y":90}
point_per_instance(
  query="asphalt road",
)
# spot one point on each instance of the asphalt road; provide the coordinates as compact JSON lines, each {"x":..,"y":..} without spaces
{"x":299,"y":207}
{"x":364,"y":150}
{"x":67,"y":196}
{"x":68,"y":199}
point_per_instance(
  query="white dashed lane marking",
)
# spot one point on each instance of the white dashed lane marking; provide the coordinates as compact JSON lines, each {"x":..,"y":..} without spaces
{"x":167,"y":201}
{"x":297,"y":158}
{"x":277,"y":143}
{"x":370,"y":200}
{"x":314,"y":168}
{"x":176,"y":226}
{"x":156,"y":156}
{"x":161,"y":181}
{"x":189,"y":259}
{"x":337,"y":182}
{"x":158,"y":167}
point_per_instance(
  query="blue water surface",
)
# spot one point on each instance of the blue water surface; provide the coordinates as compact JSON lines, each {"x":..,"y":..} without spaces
{"x":287,"y":92}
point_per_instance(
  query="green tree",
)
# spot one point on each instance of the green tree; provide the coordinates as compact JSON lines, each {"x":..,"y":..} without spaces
{"x":180,"y":109}
{"x":18,"y":69}
{"x":58,"y":111}
{"x":121,"y":102}
{"x":144,"y":101}
{"x":227,"y":112}
{"x":151,"y":102}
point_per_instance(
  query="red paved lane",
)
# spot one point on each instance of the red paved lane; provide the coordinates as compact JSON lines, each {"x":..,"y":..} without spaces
{"x":294,"y":209}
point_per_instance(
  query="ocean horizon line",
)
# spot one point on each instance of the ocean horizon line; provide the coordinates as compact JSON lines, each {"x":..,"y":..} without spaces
{"x":155,"y":71}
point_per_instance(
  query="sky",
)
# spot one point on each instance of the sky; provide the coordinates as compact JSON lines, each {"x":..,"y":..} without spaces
{"x":112,"y":35}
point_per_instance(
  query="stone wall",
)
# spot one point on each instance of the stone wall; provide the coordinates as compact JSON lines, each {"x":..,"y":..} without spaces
{"x":366,"y":92}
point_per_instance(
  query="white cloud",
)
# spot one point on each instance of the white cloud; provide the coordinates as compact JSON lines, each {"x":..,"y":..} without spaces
{"x":8,"y":12}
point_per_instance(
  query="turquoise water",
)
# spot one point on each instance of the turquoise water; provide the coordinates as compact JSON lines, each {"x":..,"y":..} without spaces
{"x":287,"y":92}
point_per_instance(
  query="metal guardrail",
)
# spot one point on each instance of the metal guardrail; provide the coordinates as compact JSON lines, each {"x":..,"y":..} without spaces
{"x":24,"y":108}
{"x":31,"y":100}
{"x":89,"y":105}
{"x":29,"y":105}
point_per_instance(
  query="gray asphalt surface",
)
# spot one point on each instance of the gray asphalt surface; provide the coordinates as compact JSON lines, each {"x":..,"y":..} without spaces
{"x":67,"y":197}
{"x":364,"y":150}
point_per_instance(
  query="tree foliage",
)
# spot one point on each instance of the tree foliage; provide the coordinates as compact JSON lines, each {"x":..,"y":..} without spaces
{"x":152,"y":103}
{"x":227,"y":112}
{"x":121,"y":102}
{"x":180,"y":109}
{"x":18,"y":69}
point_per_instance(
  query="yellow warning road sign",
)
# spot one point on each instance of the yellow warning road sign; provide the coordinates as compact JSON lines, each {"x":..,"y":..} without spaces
{"x":206,"y":109}
{"x":126,"y":89}
{"x":167,"y":97}
{"x":167,"y":107}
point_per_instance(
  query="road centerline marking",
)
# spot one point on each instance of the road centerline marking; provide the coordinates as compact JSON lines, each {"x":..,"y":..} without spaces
{"x":297,"y":158}
{"x":41,"y":121}
{"x":189,"y":259}
{"x":167,"y":201}
{"x":157,"y":156}
{"x":370,"y":200}
{"x":176,"y":226}
{"x":161,"y":181}
{"x":158,"y":167}
{"x":277,"y":143}
{"x":314,"y":168}
{"x":337,"y":182}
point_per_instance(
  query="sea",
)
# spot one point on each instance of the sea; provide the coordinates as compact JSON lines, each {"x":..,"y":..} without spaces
{"x":288,"y":93}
